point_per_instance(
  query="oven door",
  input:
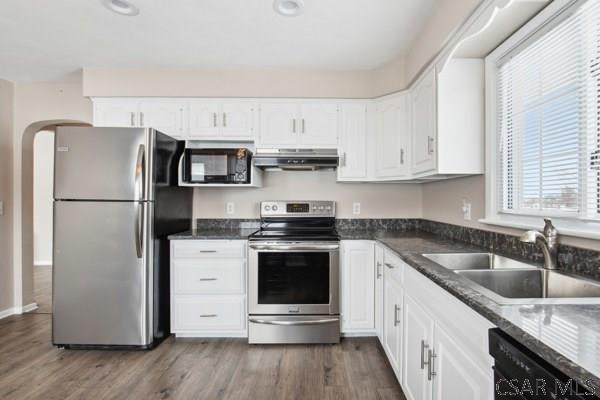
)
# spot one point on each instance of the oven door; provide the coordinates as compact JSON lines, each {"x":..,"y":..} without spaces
{"x":293,"y":278}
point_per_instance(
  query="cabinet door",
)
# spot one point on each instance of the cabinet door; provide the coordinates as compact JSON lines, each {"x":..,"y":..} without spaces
{"x":392,"y":323}
{"x":424,"y":127}
{"x":353,"y":142}
{"x":237,"y":120}
{"x":379,"y":292}
{"x":418,"y":340}
{"x":116,"y":113}
{"x":167,"y":117}
{"x":319,"y":125}
{"x":358,"y":286}
{"x":204,"y":120}
{"x":392,"y":138}
{"x":279,"y":125}
{"x":457,"y":376}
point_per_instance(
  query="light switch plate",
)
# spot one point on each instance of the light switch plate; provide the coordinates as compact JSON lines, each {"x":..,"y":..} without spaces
{"x":230,"y":208}
{"x":466,"y":209}
{"x":1,"y":208}
{"x":356,"y":208}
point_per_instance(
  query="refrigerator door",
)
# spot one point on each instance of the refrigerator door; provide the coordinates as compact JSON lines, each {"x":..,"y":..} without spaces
{"x":102,"y":274}
{"x":101,"y":163}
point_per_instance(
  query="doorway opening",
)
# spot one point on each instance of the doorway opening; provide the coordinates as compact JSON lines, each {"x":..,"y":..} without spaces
{"x":43,"y":191}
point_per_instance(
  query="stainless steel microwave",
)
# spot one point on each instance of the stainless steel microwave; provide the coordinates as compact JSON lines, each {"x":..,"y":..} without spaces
{"x":217,"y":166}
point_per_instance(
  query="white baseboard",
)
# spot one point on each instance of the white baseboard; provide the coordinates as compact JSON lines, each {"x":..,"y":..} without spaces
{"x":7,"y":313}
{"x":368,"y":333}
{"x":42,"y":264}
{"x":26,"y":308}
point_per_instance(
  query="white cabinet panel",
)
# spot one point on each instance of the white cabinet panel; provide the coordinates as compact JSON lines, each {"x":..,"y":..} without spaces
{"x":358,"y":286}
{"x":353,"y":142}
{"x":237,"y":120}
{"x":116,"y":113}
{"x":167,"y":117}
{"x":393,"y":323}
{"x":392,"y":138}
{"x":209,"y":276}
{"x":203,"y":119}
{"x":424,"y":116}
{"x":278,"y":124}
{"x":418,"y":340}
{"x":318,"y":125}
{"x":209,"y":313}
{"x":379,"y":291}
{"x":457,"y":376}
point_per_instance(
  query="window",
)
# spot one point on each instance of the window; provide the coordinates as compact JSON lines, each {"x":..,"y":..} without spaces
{"x":546,"y":128}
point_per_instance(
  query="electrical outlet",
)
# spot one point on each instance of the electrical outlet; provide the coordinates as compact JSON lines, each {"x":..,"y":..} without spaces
{"x":466,"y":209}
{"x":356,"y":208}
{"x":230,"y":208}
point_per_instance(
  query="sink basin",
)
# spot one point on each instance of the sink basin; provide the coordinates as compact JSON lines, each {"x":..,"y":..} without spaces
{"x":507,"y":281}
{"x":477,"y":261}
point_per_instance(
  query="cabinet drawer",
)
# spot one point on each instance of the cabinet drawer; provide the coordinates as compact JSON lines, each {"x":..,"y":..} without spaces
{"x":209,"y":276}
{"x":209,"y":313}
{"x":394,"y":265}
{"x":209,"y":249}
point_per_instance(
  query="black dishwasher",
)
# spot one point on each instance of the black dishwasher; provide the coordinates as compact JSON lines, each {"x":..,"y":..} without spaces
{"x":520,"y":374}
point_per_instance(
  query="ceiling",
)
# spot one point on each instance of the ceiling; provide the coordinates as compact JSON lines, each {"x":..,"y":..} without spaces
{"x":46,"y":40}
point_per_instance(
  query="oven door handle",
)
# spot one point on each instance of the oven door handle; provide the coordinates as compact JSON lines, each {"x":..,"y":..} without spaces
{"x":294,"y":247}
{"x":292,"y":323}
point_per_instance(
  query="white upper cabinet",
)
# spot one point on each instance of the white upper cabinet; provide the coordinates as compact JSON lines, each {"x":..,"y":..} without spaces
{"x":295,"y":124}
{"x":204,"y":120}
{"x":353,"y":142}
{"x":278,"y":125}
{"x":166,"y":116}
{"x":358,"y":286}
{"x":116,"y":113}
{"x":424,"y":133}
{"x":211,"y":120}
{"x":392,"y":138}
{"x":319,"y":124}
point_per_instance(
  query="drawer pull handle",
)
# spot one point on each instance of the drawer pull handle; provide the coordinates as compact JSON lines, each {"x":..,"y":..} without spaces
{"x":208,"y":315}
{"x":390,"y":266}
{"x":207,"y":279}
{"x":208,"y":251}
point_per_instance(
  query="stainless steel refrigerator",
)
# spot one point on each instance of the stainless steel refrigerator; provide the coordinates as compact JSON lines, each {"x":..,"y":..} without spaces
{"x":116,"y":200}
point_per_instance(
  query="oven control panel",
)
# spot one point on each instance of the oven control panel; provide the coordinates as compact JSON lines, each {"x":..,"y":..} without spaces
{"x":297,"y":208}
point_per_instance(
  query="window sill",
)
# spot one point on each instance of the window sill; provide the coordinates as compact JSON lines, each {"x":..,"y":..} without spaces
{"x":587,"y":230}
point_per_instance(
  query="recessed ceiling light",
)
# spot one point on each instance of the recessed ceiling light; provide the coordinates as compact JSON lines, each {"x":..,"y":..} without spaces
{"x":289,"y":8}
{"x":122,"y":7}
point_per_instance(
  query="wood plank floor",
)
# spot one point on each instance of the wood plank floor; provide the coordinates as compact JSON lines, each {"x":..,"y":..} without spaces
{"x":31,"y":368}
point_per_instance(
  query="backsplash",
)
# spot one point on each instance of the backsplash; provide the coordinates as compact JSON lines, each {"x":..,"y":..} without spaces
{"x":570,"y":259}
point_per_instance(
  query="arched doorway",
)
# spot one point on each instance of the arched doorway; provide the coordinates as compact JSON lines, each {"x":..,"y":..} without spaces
{"x":24,"y":257}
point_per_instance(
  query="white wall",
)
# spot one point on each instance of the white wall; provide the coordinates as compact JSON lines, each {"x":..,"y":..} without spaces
{"x":378,"y":200}
{"x":43,"y":179}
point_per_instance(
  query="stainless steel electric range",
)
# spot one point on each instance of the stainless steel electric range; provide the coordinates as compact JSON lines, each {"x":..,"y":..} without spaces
{"x":294,"y":274}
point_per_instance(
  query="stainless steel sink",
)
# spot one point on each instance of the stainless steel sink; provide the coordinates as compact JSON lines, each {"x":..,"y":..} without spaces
{"x":478,"y":261}
{"x":508,"y":281}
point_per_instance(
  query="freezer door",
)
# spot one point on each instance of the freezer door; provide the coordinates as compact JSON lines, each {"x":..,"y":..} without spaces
{"x":101,"y":163}
{"x":101,"y":273}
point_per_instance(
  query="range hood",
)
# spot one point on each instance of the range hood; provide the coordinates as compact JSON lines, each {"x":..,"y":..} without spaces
{"x":295,"y":159}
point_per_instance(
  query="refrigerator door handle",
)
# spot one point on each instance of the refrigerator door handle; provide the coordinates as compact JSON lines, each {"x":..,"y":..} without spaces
{"x":140,"y":167}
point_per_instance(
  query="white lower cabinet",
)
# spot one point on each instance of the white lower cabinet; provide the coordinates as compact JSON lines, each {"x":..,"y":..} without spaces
{"x":437,"y":345}
{"x":379,"y":291}
{"x":208,"y":288}
{"x":418,"y":340}
{"x":357,"y":286}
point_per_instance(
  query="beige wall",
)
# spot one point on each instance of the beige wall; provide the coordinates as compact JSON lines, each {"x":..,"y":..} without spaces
{"x":377,"y":200}
{"x":245,"y":82}
{"x":37,"y":105}
{"x":6,"y":192}
{"x":446,"y":17}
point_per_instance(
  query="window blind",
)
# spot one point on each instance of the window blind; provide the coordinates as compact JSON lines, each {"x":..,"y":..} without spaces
{"x":548,"y":110}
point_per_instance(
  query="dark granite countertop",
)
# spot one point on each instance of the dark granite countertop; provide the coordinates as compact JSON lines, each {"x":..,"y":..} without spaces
{"x":567,"y":336}
{"x":213,"y":234}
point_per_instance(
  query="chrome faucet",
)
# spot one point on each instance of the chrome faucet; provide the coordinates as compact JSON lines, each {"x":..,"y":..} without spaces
{"x":547,"y":241}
